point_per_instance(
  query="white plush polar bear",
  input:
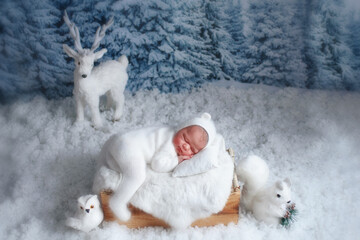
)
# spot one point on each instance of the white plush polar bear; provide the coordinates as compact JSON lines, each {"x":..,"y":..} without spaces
{"x":128,"y":155}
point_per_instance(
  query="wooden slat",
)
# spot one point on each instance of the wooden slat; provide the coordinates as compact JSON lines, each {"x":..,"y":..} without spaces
{"x":140,"y":219}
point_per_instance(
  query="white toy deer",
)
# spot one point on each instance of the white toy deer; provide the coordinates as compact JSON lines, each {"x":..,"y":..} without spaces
{"x":91,"y":82}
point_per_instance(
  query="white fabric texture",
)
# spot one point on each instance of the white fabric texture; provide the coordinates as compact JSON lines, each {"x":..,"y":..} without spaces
{"x":180,"y":201}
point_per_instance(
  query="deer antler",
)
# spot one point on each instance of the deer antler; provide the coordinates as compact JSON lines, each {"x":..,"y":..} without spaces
{"x":100,"y":34}
{"x":74,"y":32}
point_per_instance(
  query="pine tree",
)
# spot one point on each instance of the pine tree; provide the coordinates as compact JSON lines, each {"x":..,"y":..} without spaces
{"x":353,"y":41}
{"x":272,"y":57}
{"x":327,"y":49}
{"x":234,"y":25}
{"x":167,"y":45}
{"x":46,"y":16}
{"x":219,"y":40}
{"x":190,"y":45}
{"x":17,"y":69}
{"x":295,"y":67}
{"x":143,"y":28}
{"x":32,"y":49}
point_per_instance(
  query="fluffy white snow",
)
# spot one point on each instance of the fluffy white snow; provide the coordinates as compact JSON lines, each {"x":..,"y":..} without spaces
{"x":313,"y":137}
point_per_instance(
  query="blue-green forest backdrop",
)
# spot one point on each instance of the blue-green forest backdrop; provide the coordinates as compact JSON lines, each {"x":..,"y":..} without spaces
{"x":177,"y":46}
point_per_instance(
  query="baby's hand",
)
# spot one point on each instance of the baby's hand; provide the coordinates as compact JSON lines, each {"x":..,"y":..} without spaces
{"x":182,"y":158}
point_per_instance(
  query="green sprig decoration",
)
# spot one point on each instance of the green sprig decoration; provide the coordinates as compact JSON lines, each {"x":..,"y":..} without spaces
{"x":290,"y":216}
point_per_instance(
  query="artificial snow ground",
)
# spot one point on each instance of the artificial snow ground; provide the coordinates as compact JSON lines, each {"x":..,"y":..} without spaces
{"x":313,"y":137}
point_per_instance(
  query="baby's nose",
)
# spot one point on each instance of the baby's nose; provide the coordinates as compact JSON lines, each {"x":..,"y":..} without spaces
{"x":186,"y":146}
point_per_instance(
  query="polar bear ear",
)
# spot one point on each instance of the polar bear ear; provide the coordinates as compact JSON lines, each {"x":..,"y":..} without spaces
{"x":288,"y":182}
{"x":206,"y":116}
{"x":279,"y":185}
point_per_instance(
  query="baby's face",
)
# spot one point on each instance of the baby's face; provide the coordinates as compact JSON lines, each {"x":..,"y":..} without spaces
{"x":190,"y":140}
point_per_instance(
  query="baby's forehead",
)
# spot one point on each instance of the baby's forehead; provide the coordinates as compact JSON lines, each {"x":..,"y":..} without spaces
{"x":195,"y":128}
{"x":198,"y":130}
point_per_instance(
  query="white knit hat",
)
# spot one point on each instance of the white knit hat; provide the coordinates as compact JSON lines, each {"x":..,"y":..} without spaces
{"x":206,"y":123}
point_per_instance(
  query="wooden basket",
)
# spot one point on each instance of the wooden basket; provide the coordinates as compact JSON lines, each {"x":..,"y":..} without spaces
{"x":139,"y":218}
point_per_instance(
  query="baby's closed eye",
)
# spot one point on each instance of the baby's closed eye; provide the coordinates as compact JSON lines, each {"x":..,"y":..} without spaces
{"x":194,"y":151}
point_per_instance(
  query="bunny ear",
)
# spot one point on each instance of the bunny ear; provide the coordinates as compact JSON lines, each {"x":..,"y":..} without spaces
{"x":279,"y":185}
{"x":288,"y":182}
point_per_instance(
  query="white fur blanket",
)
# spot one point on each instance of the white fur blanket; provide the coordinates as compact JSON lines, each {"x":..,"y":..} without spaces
{"x":178,"y":201}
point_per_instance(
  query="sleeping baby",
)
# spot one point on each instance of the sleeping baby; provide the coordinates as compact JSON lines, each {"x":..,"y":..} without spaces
{"x":128,"y":155}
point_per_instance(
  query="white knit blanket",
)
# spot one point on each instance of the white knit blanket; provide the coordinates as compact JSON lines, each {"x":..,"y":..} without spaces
{"x":179,"y":201}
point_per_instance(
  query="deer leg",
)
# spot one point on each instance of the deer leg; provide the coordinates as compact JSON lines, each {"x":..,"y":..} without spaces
{"x":119,"y":105}
{"x":79,"y":109}
{"x":95,"y":113}
{"x":109,"y":100}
